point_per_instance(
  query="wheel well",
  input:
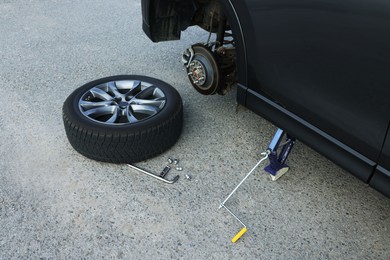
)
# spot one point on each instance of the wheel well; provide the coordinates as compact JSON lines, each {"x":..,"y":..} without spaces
{"x":210,"y":14}
{"x":164,"y":20}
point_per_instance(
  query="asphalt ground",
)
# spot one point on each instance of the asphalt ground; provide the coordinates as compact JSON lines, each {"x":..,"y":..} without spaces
{"x":57,"y":204}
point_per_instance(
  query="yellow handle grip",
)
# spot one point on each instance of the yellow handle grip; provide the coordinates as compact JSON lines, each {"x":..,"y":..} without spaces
{"x":239,"y":234}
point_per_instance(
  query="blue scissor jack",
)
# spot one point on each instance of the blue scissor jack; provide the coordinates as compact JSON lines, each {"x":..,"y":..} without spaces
{"x":283,"y":142}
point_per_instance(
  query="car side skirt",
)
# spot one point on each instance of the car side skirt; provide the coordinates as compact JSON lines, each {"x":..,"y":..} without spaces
{"x":381,"y":180}
{"x":328,"y":146}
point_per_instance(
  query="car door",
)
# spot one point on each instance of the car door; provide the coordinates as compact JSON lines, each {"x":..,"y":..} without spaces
{"x":326,"y":61}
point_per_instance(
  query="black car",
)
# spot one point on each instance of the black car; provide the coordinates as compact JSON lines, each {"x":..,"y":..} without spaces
{"x":318,"y":69}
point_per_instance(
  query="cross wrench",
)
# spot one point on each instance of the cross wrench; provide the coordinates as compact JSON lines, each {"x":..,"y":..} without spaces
{"x":222,"y":205}
{"x":158,"y":177}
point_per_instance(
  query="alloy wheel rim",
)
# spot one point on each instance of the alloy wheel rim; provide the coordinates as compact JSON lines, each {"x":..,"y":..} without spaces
{"x":122,"y":102}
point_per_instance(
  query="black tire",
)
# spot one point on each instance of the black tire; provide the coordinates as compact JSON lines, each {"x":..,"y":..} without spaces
{"x":126,"y":137}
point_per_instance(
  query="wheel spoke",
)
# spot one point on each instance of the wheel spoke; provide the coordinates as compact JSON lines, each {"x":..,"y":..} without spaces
{"x":132,"y":86}
{"x":113,"y":89}
{"x":88,"y":104}
{"x":128,"y":84}
{"x":130,"y":117}
{"x":101,"y":111}
{"x":144,"y":109}
{"x":99,"y":93}
{"x":158,"y":94}
{"x":158,"y":102}
{"x":114,"y":116}
{"x":146,"y":93}
{"x":135,"y":88}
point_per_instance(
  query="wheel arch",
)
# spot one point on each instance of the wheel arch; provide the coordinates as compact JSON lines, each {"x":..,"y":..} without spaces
{"x":234,"y":10}
{"x":238,"y":34}
{"x":163,"y":20}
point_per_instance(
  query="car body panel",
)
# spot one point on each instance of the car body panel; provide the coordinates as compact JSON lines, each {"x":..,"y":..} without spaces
{"x":328,"y":62}
{"x":332,"y":71}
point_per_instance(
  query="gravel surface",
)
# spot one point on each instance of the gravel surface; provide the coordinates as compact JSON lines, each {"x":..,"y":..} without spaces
{"x":55,"y":203}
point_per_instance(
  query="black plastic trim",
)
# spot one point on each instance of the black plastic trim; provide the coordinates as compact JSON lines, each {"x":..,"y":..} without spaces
{"x":328,"y":146}
{"x":381,"y":181}
{"x":145,"y":4}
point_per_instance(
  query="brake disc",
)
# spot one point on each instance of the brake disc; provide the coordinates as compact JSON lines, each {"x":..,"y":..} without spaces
{"x":202,"y":69}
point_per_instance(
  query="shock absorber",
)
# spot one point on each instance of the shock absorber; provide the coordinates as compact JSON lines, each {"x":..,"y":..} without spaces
{"x":221,"y":29}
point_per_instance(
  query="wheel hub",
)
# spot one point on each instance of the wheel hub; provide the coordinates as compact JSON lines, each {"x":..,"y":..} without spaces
{"x":123,"y":105}
{"x":197,"y":72}
{"x":202,"y":69}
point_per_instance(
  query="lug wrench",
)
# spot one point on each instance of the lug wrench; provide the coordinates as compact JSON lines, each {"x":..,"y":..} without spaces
{"x":222,"y":205}
{"x":158,"y":177}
